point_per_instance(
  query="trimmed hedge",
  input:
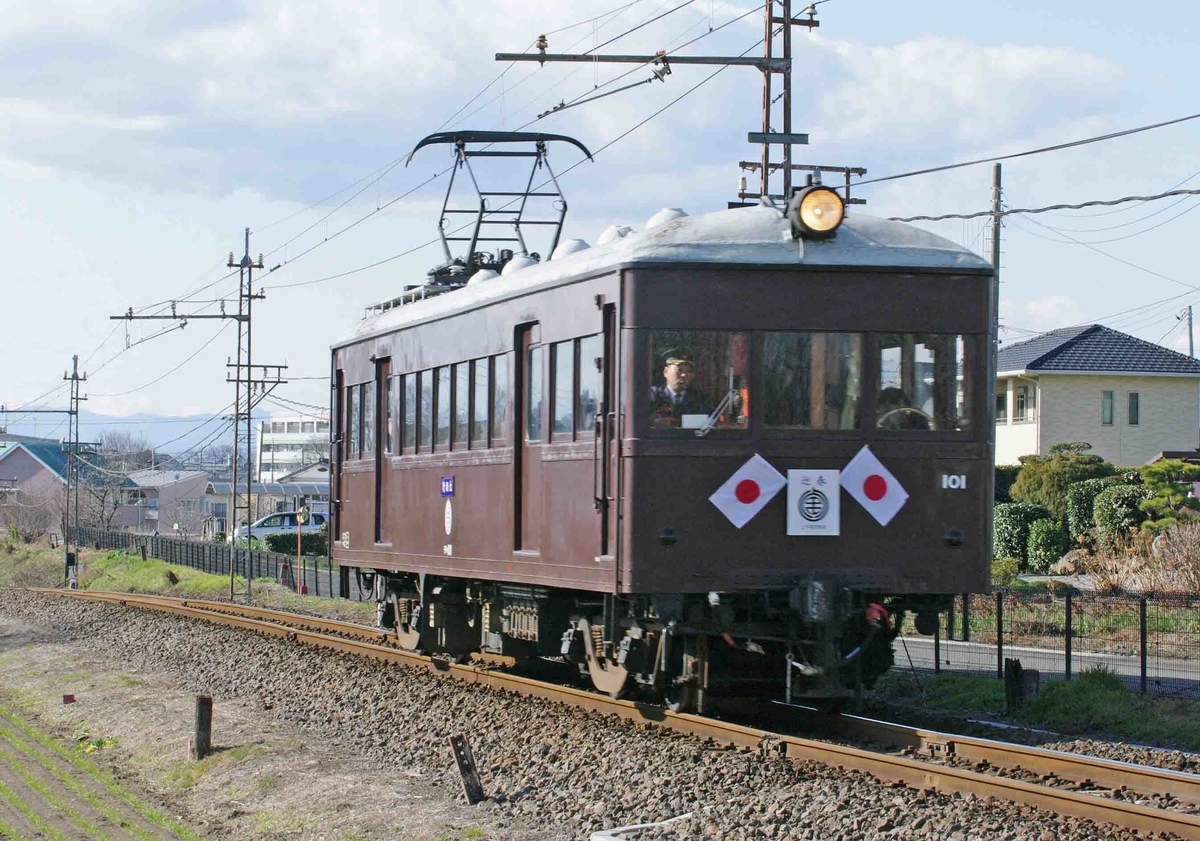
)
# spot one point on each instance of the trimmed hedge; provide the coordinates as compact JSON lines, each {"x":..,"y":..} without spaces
{"x":1011,"y":534}
{"x":311,"y":543}
{"x":1006,"y":474}
{"x":1046,"y":544}
{"x":1081,"y":498}
{"x":1117,"y":512}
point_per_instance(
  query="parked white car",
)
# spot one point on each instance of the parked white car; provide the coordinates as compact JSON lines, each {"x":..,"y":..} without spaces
{"x":281,"y":523}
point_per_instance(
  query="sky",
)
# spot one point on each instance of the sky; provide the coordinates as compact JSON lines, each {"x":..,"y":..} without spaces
{"x":139,"y":139}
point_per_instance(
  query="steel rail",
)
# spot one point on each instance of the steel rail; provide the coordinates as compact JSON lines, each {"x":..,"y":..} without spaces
{"x":915,"y":773}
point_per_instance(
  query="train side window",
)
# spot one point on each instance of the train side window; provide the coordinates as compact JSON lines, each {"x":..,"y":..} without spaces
{"x":441,"y":403}
{"x":590,"y":350}
{"x":500,"y":399}
{"x":925,"y":382}
{"x":425,"y":423}
{"x":408,"y":414}
{"x":534,"y":372}
{"x":354,"y":425}
{"x":563,"y":360}
{"x":699,"y":379}
{"x":462,"y":404}
{"x":481,"y":404}
{"x":367,"y":402}
{"x":812,"y":380}
{"x":389,"y":416}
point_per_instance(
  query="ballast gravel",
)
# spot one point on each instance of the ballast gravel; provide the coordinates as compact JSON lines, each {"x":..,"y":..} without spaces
{"x":552,"y":766}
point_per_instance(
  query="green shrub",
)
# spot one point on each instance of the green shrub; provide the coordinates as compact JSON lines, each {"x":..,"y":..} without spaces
{"x":311,"y":543}
{"x":1081,"y":498}
{"x":1006,"y":474}
{"x":1004,"y":570}
{"x":1046,"y":544}
{"x":1044,"y":480}
{"x":1011,"y":535}
{"x":1117,"y":512}
{"x":1168,"y":483}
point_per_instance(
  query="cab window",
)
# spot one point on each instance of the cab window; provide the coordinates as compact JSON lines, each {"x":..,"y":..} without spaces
{"x":812,"y":380}
{"x":698,"y":379}
{"x":924,"y":382}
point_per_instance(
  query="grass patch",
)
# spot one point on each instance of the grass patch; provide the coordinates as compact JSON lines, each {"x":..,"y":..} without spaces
{"x":126,"y":572}
{"x":50,"y":797}
{"x":29,"y":564}
{"x":186,"y":774}
{"x":1095,"y":702}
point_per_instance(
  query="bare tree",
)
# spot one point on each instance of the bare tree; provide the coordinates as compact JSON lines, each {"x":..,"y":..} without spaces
{"x":104,"y":485}
{"x":32,"y":516}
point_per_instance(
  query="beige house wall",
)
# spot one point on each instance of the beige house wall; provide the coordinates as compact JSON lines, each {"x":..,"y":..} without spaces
{"x":1016,"y":438}
{"x":1168,"y":416}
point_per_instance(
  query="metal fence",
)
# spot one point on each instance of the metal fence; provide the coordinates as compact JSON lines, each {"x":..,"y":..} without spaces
{"x":320,"y":576}
{"x":1152,"y":641}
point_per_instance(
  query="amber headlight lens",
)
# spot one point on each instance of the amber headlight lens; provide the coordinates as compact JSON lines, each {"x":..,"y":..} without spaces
{"x":816,"y":211}
{"x":821,"y":210}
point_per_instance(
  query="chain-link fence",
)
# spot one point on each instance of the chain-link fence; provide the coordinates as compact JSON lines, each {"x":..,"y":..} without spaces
{"x":320,"y":576}
{"x":1152,"y":641}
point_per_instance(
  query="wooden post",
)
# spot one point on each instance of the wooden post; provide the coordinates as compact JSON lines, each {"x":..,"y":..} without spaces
{"x":203,"y":736}
{"x":472,"y":787}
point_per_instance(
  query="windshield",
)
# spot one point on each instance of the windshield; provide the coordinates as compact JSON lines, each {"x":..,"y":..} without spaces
{"x":698,"y":379}
{"x":924,"y":382}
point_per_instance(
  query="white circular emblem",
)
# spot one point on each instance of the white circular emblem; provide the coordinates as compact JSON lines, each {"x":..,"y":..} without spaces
{"x":813,"y":505}
{"x":449,"y":517}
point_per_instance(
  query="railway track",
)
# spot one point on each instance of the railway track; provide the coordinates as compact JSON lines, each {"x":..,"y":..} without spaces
{"x":1065,"y":783}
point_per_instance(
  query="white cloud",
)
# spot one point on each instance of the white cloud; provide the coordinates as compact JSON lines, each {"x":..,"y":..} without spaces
{"x":1038,"y":315}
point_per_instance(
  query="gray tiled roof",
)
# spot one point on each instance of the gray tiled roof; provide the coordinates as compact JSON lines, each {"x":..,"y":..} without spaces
{"x":1093,"y":348}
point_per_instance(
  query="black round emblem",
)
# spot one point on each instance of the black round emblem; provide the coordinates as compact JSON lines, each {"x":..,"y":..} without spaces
{"x":813,"y":505}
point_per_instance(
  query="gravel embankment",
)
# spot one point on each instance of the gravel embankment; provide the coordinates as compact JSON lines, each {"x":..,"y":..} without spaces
{"x":562,"y":768}
{"x":1174,"y":760}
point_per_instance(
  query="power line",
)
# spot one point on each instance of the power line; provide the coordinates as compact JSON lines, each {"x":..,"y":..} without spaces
{"x":1041,"y":150}
{"x":198,"y":351}
{"x":1026,"y":211}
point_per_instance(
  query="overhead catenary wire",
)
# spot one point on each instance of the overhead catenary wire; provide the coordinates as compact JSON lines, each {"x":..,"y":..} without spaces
{"x":1027,"y":211}
{"x":1028,"y":152}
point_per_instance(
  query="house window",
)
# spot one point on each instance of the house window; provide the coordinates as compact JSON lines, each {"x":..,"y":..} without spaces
{"x":1133,"y":408}
{"x":322,"y":426}
{"x":277,"y":426}
{"x":293,"y":426}
{"x":1026,"y":402}
{"x":1002,"y":407}
{"x":306,"y":426}
{"x":1106,"y":408}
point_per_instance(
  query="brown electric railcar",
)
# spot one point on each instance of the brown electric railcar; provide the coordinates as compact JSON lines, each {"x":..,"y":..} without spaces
{"x":554,"y":461}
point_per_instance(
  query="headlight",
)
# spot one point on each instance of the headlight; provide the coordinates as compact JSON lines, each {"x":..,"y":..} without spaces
{"x":815,"y":211}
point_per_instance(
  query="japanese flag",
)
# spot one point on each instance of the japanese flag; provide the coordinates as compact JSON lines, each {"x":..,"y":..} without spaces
{"x":875,"y":489}
{"x":749,"y":489}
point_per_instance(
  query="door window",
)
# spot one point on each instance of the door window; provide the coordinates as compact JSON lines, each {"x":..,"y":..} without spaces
{"x":500,"y":399}
{"x":442,"y":402}
{"x":481,"y":404}
{"x":534,"y":370}
{"x":564,"y":387}
{"x":591,"y":348}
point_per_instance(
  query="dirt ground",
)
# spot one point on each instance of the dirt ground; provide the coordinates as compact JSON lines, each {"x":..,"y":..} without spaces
{"x":266,"y":780}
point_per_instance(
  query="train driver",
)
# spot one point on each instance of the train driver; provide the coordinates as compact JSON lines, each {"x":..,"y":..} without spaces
{"x":677,"y":396}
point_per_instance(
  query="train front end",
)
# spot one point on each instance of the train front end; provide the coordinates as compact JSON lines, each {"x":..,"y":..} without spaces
{"x":806,"y":453}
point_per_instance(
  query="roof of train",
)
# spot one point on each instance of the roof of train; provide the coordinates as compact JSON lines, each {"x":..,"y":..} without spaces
{"x":748,"y":236}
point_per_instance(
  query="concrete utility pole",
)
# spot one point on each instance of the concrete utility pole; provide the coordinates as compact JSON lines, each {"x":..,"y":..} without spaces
{"x":1187,"y":313}
{"x":244,"y":391}
{"x":71,"y":512}
{"x":994,"y":342}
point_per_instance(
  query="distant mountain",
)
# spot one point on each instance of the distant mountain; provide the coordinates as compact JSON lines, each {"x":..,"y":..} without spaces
{"x":172,"y":434}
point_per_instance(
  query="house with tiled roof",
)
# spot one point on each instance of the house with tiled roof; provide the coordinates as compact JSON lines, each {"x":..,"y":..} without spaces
{"x":33,"y":473}
{"x":1130,"y":399}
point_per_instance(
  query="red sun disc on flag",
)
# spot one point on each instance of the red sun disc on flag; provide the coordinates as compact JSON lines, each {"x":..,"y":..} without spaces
{"x":746,"y":491}
{"x":875,"y":487}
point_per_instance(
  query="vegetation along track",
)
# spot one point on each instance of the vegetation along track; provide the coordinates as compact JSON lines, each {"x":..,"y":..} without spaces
{"x":1064,"y":783}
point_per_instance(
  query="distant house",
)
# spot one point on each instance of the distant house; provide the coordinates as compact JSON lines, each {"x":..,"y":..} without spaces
{"x":33,"y":478}
{"x":285,"y":444}
{"x":1130,"y":399}
{"x":161,"y":500}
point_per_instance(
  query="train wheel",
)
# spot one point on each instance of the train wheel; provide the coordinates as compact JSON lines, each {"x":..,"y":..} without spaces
{"x":679,"y":697}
